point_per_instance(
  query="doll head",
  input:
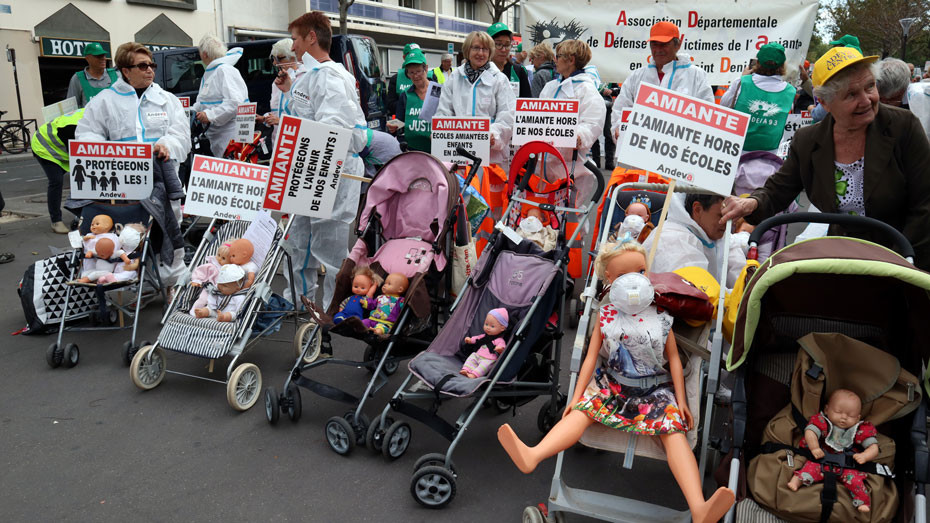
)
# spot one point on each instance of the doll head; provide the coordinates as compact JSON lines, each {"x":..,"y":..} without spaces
{"x":365,"y":281}
{"x":537,"y":213}
{"x":741,"y":225}
{"x":131,"y":236}
{"x":620,"y":258}
{"x":844,"y":409}
{"x":496,"y":321}
{"x":395,"y":284}
{"x":105,"y":248}
{"x":230,"y":279}
{"x":222,"y":254}
{"x":637,"y":208}
{"x":240,"y":251}
{"x":101,"y":224}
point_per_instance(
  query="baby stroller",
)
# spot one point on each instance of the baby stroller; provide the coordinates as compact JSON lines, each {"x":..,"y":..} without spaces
{"x":871,"y":300}
{"x":104,"y":304}
{"x":701,"y":373}
{"x":513,"y":273}
{"x":208,"y":338}
{"x":404,"y":226}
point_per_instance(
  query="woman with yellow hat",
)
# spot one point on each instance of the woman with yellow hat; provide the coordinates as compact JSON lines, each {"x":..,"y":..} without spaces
{"x":864,"y":158}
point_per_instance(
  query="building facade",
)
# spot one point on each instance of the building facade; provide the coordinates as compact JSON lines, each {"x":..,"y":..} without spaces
{"x":48,"y":36}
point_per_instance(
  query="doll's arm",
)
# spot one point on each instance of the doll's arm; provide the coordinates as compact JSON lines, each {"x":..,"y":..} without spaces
{"x":395,"y":312}
{"x":499,"y":345}
{"x":251,"y":280}
{"x":813,"y":443}
{"x":867,"y":455}
{"x":588,"y":365}
{"x":678,"y":378}
{"x":123,"y":256}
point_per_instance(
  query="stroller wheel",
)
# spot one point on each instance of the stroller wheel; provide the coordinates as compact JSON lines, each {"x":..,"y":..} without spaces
{"x":432,"y":486}
{"x":340,"y":435}
{"x":436,"y":459}
{"x":396,"y":440}
{"x":243,"y":386}
{"x":359,"y":425}
{"x":371,"y":354}
{"x":148,"y":367}
{"x":302,"y":338}
{"x":375,"y":437}
{"x":294,"y":407}
{"x":53,"y":356}
{"x":129,"y":350}
{"x":71,"y":356}
{"x":533,"y":515}
{"x":272,"y":407}
{"x":546,"y":419}
{"x":575,"y":308}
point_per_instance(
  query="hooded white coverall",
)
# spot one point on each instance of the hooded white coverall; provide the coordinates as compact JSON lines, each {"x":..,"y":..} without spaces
{"x":117,"y":114}
{"x":222,"y":89}
{"x":326,"y":94}
{"x":683,"y":243}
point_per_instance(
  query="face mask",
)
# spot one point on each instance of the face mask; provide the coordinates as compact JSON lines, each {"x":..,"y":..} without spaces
{"x":531,"y":224}
{"x":631,"y":293}
{"x":632,"y":224}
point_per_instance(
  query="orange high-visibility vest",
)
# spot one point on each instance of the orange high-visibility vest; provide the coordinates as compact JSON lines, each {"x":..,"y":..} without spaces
{"x":718,"y":94}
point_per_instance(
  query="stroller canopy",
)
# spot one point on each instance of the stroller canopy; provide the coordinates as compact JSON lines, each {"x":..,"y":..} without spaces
{"x":845,"y":285}
{"x":412,"y":194}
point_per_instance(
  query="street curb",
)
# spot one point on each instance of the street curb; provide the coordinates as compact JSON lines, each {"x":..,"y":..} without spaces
{"x":6,"y":157}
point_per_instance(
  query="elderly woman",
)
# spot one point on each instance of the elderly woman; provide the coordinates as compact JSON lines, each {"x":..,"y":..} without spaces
{"x":478,"y":88}
{"x":285,"y":60}
{"x":892,"y":80}
{"x":543,"y":59}
{"x":222,"y":89}
{"x":409,"y":103}
{"x":764,"y":82}
{"x":864,"y":158}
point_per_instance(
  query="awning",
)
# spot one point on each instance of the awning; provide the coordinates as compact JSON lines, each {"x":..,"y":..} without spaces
{"x":67,"y":31}
{"x":163,"y":33}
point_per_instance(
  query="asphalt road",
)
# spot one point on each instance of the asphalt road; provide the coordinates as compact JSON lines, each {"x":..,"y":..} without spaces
{"x":84,"y":444}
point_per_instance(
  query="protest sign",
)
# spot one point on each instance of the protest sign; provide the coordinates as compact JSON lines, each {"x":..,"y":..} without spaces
{"x":624,"y":122}
{"x":225,"y":189}
{"x":792,"y":124}
{"x":551,"y":121}
{"x":185,"y":102}
{"x":473,"y":134}
{"x":245,"y":122}
{"x":50,"y":112}
{"x":306,"y":167}
{"x":720,"y":37}
{"x":684,"y":138}
{"x":110,"y":170}
{"x":431,"y":102}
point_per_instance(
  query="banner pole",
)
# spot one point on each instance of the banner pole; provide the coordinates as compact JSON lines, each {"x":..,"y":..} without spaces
{"x":658,"y":232}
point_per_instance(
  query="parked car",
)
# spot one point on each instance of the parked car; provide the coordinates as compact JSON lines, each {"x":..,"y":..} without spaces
{"x":180,"y":70}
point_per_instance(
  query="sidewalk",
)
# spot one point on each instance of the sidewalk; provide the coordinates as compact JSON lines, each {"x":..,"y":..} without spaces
{"x":7,"y":157}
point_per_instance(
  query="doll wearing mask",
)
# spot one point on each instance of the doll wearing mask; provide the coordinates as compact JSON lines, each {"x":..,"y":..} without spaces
{"x":837,"y":429}
{"x":634,"y":341}
{"x":222,"y":302}
{"x":535,"y":228}
{"x":637,"y":221}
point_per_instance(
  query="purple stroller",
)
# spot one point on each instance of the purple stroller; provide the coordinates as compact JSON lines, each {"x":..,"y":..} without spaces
{"x":403,"y":227}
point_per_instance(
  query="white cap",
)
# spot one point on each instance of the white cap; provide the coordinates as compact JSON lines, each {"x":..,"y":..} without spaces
{"x":230,"y":273}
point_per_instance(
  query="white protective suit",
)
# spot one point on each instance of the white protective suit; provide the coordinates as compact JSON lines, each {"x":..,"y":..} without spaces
{"x":680,"y":75}
{"x":918,"y":99}
{"x":591,"y":110}
{"x":326,"y":93}
{"x":684,"y":243}
{"x":490,"y":95}
{"x":222,"y":89}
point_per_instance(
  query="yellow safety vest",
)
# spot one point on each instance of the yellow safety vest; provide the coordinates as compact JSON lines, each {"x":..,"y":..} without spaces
{"x":47,"y":145}
{"x":437,"y":74}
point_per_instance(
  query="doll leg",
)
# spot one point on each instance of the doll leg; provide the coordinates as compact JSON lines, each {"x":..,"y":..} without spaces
{"x":469,"y":369}
{"x":854,"y":481}
{"x":684,"y":467}
{"x":566,"y":433}
{"x":810,"y":473}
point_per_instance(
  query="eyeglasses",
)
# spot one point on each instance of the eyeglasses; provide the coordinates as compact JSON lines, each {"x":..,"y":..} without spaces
{"x":144,"y":66}
{"x":501,"y":46}
{"x":480,"y":50}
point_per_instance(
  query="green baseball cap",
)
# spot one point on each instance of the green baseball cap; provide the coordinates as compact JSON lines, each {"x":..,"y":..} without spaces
{"x":771,"y":55}
{"x":415,"y":57}
{"x":519,"y":48}
{"x":847,"y":41}
{"x":411,"y":47}
{"x":499,"y":28}
{"x":95,"y":49}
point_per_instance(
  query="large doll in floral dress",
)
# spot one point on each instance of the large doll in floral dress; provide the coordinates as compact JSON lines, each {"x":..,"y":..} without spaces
{"x":634,"y":382}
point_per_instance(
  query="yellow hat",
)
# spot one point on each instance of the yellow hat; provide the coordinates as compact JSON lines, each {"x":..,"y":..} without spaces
{"x":703,"y":281}
{"x":834,"y":61}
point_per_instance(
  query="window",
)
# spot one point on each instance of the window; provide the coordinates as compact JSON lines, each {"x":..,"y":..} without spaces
{"x":368,"y":60}
{"x":183,"y":72}
{"x":465,"y":9}
{"x":411,"y":4}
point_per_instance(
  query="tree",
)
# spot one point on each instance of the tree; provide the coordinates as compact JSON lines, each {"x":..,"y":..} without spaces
{"x":344,"y":15}
{"x":497,"y":8}
{"x":875,"y":23}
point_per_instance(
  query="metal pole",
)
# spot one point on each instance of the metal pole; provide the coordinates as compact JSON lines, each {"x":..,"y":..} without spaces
{"x":11,"y":55}
{"x":904,"y":47}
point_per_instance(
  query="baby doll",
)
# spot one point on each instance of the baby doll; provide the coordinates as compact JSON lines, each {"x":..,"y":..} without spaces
{"x":388,"y":305}
{"x":637,"y":221}
{"x":535,"y":227}
{"x":634,"y":341}
{"x":101,"y":224}
{"x":364,"y":284}
{"x":129,"y":239}
{"x":224,"y":301}
{"x":490,"y":344}
{"x":840,"y":428}
{"x":240,"y":253}
{"x":104,"y":262}
{"x":207,"y":272}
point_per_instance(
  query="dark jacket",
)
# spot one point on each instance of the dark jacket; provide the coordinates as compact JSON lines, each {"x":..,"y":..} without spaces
{"x":525,"y":90}
{"x":541,"y":77}
{"x":896,"y":183}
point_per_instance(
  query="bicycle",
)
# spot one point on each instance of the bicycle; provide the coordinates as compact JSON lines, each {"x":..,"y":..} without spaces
{"x":14,"y":136}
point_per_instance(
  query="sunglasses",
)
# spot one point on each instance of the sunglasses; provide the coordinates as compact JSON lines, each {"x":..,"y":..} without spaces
{"x":144,"y":66}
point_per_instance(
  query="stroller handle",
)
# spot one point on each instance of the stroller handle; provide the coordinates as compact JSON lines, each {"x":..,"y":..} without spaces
{"x":901,"y":242}
{"x":599,"y":176}
{"x":475,"y":164}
